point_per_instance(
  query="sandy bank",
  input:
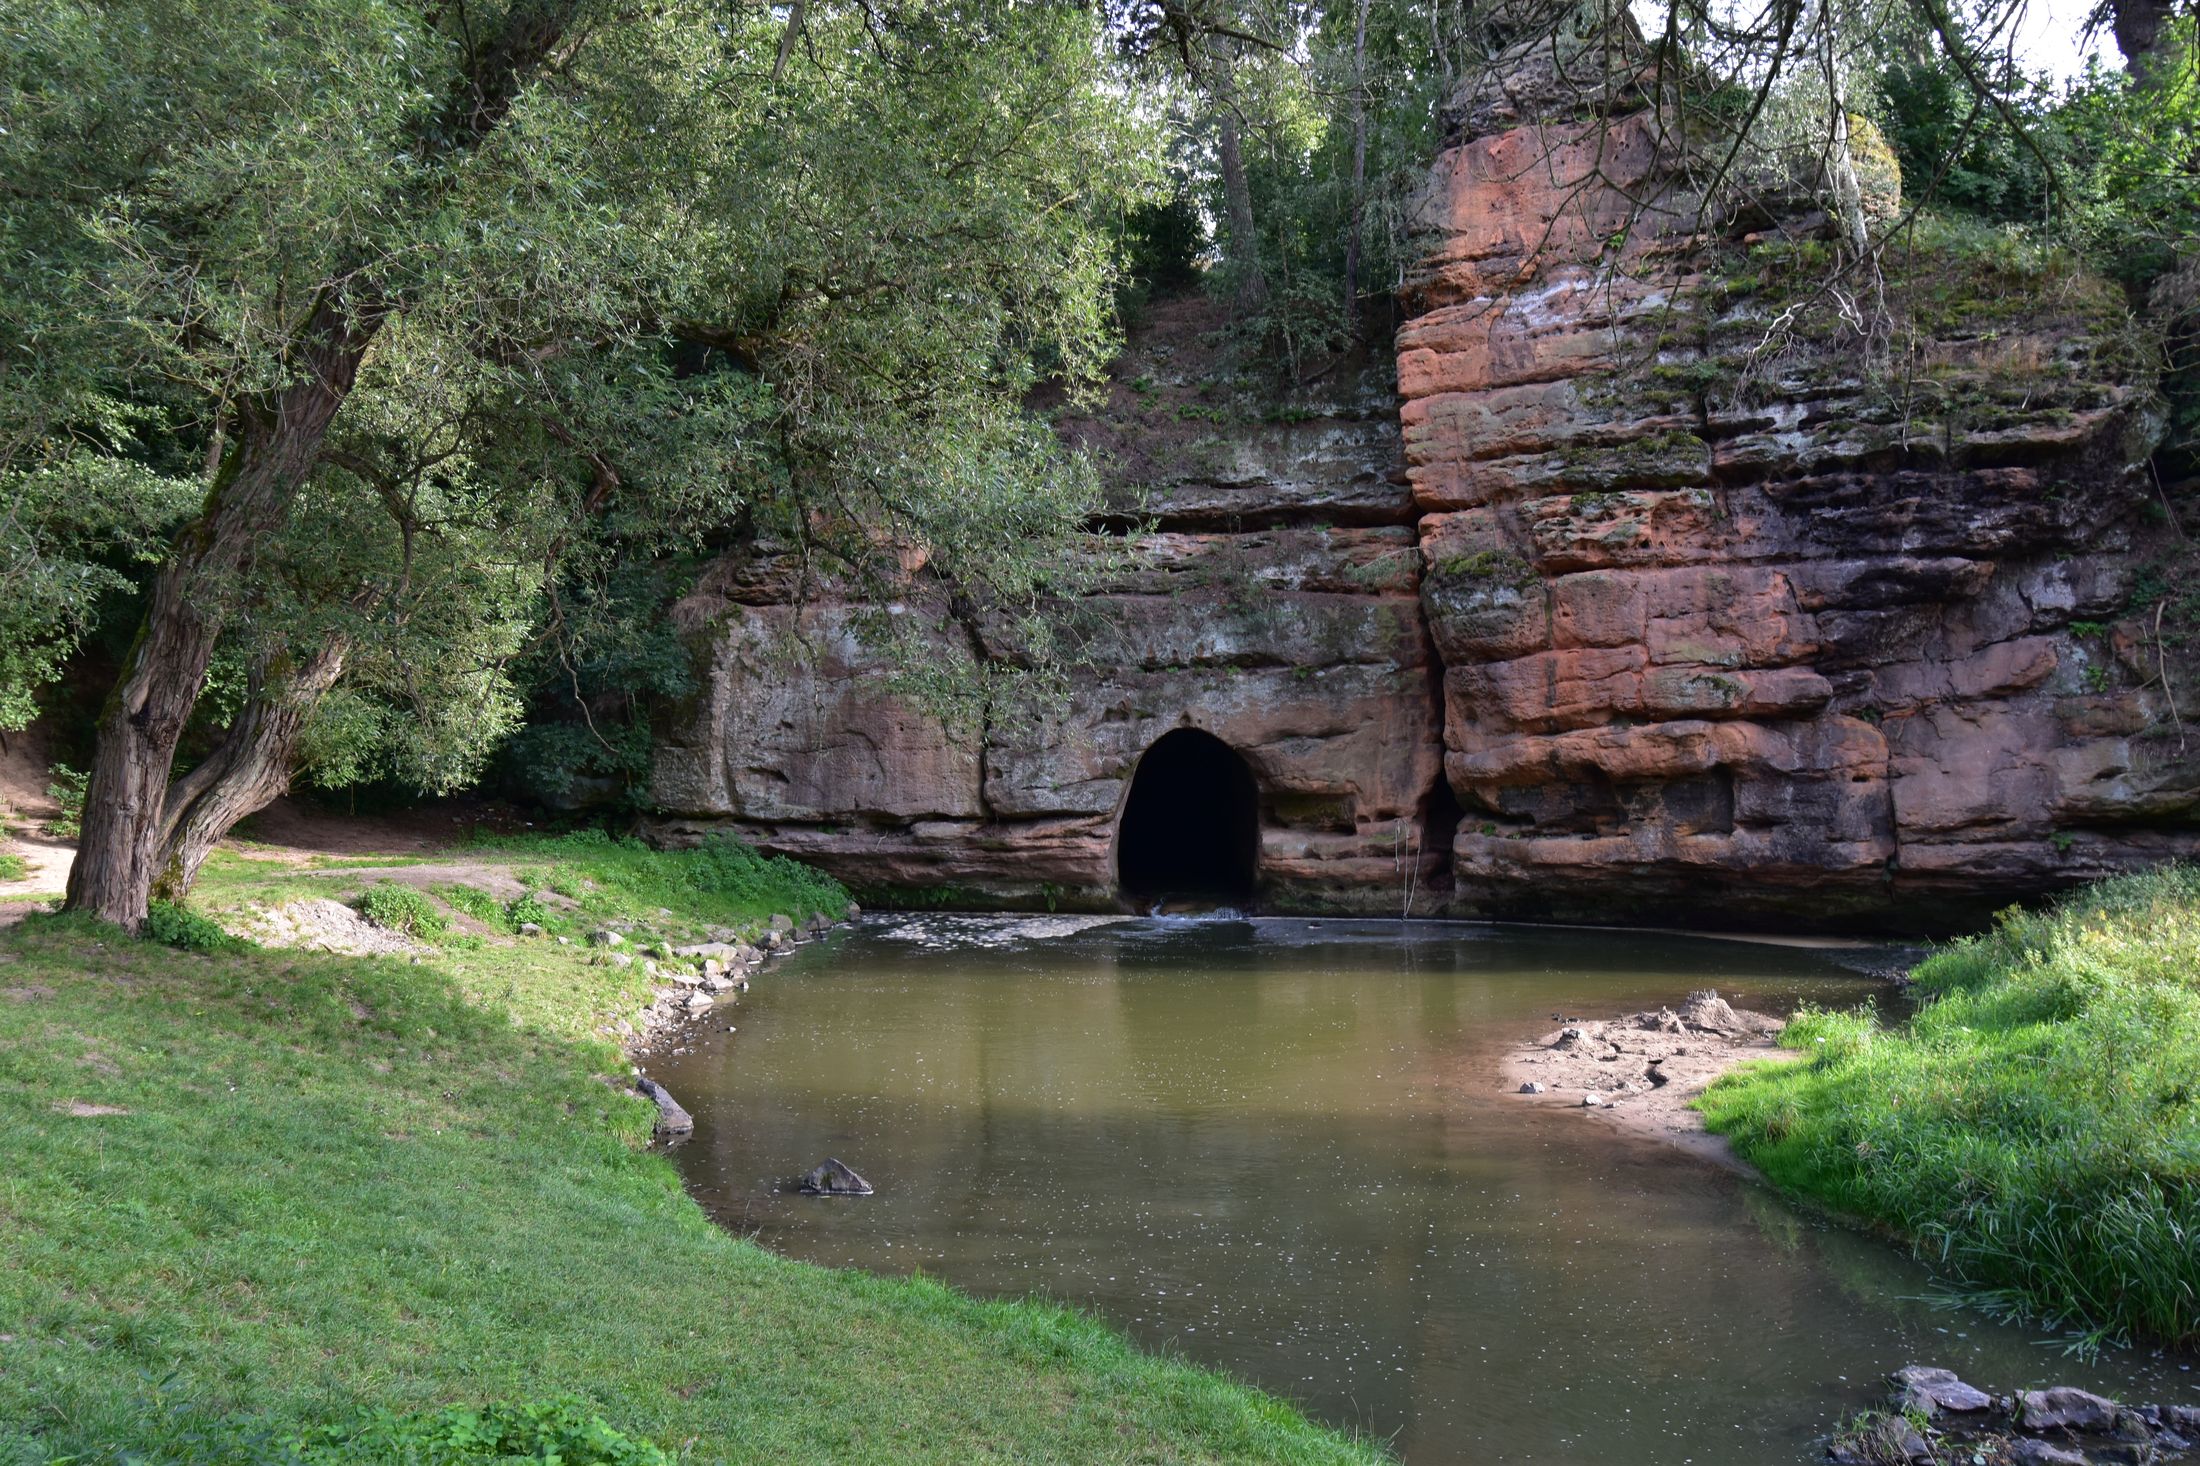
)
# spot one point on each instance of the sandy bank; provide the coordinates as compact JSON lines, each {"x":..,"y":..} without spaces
{"x":1644,"y":1068}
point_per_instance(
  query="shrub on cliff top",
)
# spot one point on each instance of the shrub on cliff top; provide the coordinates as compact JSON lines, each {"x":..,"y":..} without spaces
{"x":2035,"y":1129}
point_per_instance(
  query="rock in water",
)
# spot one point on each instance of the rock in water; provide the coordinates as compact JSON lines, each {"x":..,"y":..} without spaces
{"x":2065,"y":1408}
{"x":1936,"y":1390}
{"x":670,"y":1117}
{"x":832,"y":1178}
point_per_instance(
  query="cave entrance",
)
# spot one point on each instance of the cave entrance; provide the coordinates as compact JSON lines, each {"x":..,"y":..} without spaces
{"x":1191,"y":827}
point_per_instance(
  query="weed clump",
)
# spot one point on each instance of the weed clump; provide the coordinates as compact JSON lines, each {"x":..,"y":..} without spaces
{"x":179,"y":926}
{"x":562,"y":1430}
{"x":399,"y":908}
{"x":66,"y":790}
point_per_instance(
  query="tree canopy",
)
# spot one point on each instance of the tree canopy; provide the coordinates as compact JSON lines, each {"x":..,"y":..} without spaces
{"x":432,"y":306}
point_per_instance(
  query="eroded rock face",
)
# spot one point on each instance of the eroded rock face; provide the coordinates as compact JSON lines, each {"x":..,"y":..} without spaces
{"x":1276,"y":606}
{"x":1734,"y":625}
{"x":1698,"y":610}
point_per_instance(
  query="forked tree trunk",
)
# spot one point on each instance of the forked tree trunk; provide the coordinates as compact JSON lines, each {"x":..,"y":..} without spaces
{"x":125,"y":800}
{"x":248,"y":770}
{"x":277,"y":443}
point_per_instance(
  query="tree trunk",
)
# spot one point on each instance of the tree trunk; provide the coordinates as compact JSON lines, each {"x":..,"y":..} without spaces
{"x":2138,"y":26}
{"x":248,"y":770}
{"x":276,"y":444}
{"x":125,"y":799}
{"x":1848,"y":191}
{"x":1237,"y":192}
{"x":1359,"y":170}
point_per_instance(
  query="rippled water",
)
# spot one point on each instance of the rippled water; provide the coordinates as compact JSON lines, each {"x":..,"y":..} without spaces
{"x":1280,"y":1147}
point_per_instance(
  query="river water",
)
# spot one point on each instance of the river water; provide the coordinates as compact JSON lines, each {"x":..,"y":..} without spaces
{"x":1281,"y":1147}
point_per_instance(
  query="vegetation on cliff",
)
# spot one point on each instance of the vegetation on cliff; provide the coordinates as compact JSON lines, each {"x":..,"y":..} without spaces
{"x":2034,"y":1131}
{"x":277,"y":1206}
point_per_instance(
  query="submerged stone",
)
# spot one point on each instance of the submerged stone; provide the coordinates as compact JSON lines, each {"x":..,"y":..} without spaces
{"x":834,"y":1178}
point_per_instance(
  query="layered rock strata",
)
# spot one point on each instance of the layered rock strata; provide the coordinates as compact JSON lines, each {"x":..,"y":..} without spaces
{"x":1697,"y":603}
{"x":1274,"y":605}
{"x":1743,"y":613}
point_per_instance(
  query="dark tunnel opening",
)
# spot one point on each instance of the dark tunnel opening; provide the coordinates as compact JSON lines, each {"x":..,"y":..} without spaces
{"x":1191,"y":827}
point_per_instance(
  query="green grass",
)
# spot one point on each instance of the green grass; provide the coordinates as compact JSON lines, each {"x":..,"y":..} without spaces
{"x":339,"y":1185}
{"x":400,"y":908}
{"x":2035,"y":1130}
{"x":13,"y":868}
{"x":721,"y":881}
{"x":567,"y":990}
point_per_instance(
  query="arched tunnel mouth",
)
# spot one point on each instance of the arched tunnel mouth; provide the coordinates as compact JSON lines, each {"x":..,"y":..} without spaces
{"x":1191,"y":826}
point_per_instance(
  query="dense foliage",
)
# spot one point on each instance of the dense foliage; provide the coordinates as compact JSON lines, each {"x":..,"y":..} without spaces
{"x":435,"y":318}
{"x":2035,"y":1129}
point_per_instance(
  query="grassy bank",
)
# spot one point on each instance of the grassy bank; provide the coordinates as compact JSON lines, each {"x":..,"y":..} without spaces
{"x":249,"y":1192}
{"x":482,"y":893}
{"x":2035,"y":1129}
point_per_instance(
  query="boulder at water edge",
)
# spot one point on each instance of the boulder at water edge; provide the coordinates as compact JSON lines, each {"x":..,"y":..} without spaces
{"x":671,"y":1119}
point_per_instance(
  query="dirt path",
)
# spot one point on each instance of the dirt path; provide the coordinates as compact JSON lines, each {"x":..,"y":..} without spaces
{"x":290,"y":831}
{"x":295,"y":829}
{"x":25,"y":807}
{"x":1642,"y":1070}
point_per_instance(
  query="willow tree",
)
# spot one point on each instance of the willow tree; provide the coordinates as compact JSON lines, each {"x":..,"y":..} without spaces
{"x":639,"y":267}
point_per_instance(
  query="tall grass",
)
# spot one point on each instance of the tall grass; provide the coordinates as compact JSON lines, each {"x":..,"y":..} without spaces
{"x":2035,"y":1129}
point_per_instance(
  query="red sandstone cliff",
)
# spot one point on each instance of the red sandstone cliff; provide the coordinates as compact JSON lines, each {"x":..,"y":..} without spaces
{"x":1741,"y":612}
{"x":1698,"y":605}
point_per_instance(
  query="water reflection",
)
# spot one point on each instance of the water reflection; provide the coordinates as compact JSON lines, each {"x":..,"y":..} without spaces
{"x":1280,"y":1147}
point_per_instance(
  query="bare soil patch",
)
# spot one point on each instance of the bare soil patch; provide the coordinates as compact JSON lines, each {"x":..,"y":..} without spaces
{"x":301,"y":828}
{"x":25,"y":807}
{"x":1644,"y":1069}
